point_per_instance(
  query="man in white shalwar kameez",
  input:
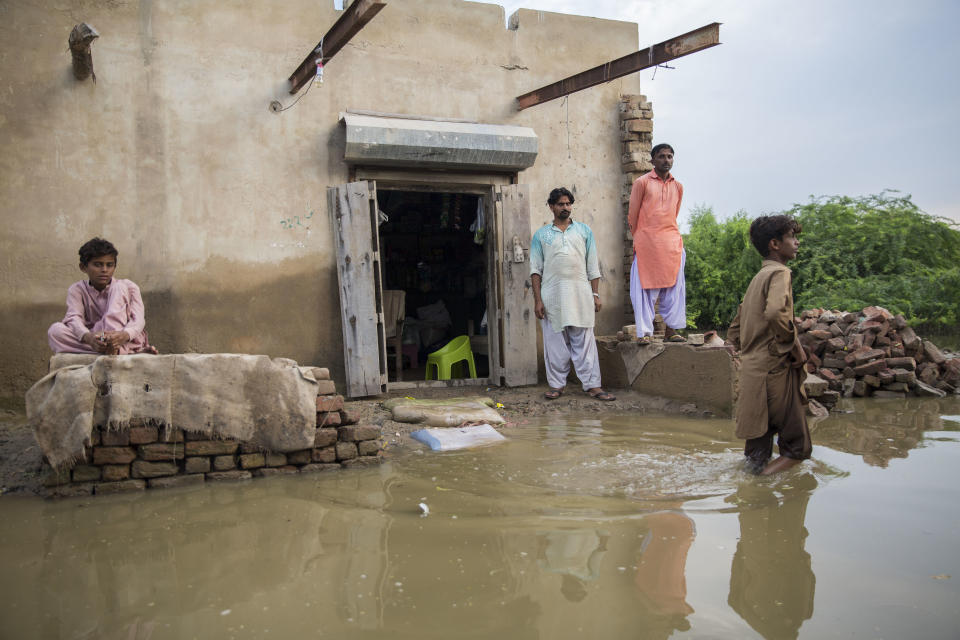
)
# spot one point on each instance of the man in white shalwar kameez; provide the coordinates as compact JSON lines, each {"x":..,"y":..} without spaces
{"x":565,"y":274}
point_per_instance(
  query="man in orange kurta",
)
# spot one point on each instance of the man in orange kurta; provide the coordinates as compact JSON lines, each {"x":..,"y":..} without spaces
{"x":658,"y":260}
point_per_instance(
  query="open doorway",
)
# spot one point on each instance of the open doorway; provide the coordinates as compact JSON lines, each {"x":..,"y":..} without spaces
{"x":433,"y":248}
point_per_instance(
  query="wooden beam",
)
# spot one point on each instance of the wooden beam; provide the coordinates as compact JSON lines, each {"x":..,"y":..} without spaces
{"x":354,"y":18}
{"x":697,"y":40}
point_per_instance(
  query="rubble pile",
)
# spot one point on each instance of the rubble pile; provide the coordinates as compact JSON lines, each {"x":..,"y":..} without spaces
{"x":871,"y":353}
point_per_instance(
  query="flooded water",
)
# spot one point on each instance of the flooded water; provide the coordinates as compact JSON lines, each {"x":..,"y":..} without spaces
{"x":633,"y":526}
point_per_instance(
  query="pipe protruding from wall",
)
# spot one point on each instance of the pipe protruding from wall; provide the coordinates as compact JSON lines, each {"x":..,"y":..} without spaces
{"x":81,"y":37}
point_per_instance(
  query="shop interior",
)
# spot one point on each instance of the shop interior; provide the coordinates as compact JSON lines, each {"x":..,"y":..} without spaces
{"x":433,"y":249}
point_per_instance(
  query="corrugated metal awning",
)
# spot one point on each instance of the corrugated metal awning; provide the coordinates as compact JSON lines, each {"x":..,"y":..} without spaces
{"x":411,"y":142}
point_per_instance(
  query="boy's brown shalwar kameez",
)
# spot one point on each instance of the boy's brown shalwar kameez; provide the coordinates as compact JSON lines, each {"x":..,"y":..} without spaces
{"x":771,"y":396}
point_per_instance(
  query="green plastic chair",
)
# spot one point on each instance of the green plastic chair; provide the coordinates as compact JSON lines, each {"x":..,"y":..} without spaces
{"x":453,"y":354}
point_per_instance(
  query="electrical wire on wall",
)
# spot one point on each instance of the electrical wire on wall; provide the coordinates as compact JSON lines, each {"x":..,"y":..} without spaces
{"x":277,"y":107}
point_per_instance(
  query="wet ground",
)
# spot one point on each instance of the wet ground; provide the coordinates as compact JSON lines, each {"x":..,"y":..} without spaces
{"x":584,"y":524}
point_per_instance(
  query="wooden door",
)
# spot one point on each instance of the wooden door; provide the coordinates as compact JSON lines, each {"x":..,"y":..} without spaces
{"x":353,"y":211}
{"x":514,"y":361}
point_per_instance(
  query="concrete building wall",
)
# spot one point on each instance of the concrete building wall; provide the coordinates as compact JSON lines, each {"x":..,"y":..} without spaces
{"x":174,"y":155}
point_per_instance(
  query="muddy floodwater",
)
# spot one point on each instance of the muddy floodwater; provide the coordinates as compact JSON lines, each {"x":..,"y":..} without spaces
{"x":626,"y":526}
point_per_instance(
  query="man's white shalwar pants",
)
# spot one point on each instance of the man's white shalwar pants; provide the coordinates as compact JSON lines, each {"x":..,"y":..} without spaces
{"x":576,"y":344}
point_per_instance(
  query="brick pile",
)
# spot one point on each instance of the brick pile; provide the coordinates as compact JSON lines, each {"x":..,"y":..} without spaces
{"x":872,"y":353}
{"x":145,"y":456}
{"x":636,"y":137}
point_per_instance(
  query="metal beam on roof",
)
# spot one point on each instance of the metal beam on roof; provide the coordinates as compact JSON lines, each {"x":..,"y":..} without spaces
{"x":696,"y":40}
{"x":354,"y":18}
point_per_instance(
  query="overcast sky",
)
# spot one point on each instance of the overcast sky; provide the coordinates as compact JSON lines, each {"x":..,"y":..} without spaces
{"x":819,"y":97}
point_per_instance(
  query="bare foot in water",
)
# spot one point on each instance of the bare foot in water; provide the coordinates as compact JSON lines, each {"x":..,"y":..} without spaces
{"x":780,"y":464}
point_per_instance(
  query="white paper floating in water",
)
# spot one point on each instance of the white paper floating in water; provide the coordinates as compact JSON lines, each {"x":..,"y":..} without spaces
{"x":449,"y":439}
{"x":424,"y":510}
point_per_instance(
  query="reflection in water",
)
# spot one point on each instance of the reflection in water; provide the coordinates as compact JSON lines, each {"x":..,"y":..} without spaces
{"x":618,"y":528}
{"x":883,"y":430}
{"x":771,"y":580}
{"x":660,"y":577}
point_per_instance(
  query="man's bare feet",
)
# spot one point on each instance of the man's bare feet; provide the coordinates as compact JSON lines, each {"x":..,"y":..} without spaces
{"x":780,"y":464}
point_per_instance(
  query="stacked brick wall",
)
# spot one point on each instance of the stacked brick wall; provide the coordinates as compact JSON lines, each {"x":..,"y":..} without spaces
{"x":146,"y":456}
{"x":636,"y":139}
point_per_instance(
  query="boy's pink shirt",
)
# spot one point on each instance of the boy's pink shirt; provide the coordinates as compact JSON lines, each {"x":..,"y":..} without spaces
{"x":118,"y":307}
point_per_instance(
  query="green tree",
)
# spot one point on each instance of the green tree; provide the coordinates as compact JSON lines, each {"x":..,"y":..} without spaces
{"x":720,"y":263}
{"x":854,"y":252}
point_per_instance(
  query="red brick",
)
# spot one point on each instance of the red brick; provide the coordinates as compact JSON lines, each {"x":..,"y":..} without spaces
{"x":836,"y":344}
{"x":143,"y":435}
{"x":349,"y":415}
{"x":161,"y":451}
{"x":951,"y":371}
{"x":876,"y":313}
{"x":869,"y":367}
{"x":85,"y":473}
{"x":144,"y":469}
{"x":304,"y":456}
{"x":346,"y":451}
{"x":933,"y":353}
{"x":368,"y":447}
{"x":197,"y":464}
{"x":329,"y":403}
{"x":328,"y":418}
{"x":114,"y":437}
{"x":211,"y":447}
{"x":275,"y":459}
{"x":171,"y":434}
{"x":326,"y":454}
{"x":113,"y":455}
{"x":867,"y":355}
{"x":326,"y":387}
{"x":854,"y":342}
{"x":113,"y":472}
{"x":356,"y":433}
{"x":904,"y":375}
{"x":224,"y":463}
{"x":324,"y":437}
{"x":252,"y":460}
{"x":907,"y":363}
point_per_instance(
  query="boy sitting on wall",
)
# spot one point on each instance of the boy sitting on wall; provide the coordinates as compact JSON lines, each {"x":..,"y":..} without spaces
{"x":772,"y":398}
{"x":105,"y":315}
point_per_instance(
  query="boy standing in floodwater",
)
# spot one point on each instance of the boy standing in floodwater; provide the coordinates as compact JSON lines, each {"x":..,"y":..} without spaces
{"x":772,"y":400}
{"x":105,"y":315}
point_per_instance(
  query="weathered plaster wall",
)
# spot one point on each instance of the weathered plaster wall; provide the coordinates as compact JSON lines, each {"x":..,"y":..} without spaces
{"x":175,"y":157}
